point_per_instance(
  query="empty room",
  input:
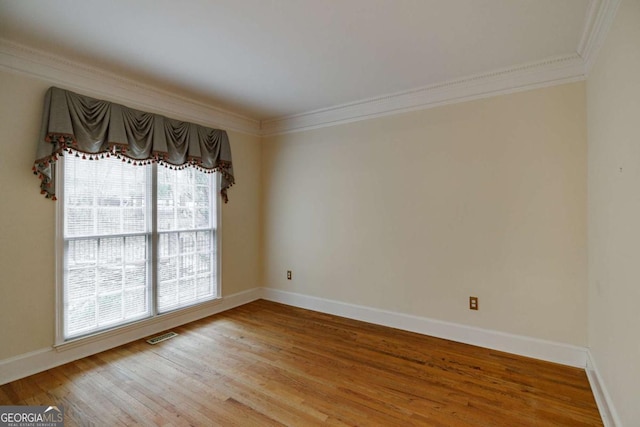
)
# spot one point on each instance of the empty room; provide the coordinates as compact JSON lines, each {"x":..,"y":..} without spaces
{"x":320,"y":212}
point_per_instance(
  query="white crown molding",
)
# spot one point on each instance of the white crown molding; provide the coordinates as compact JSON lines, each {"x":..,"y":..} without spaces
{"x":608,"y":413}
{"x":550,"y":351}
{"x":553,"y":71}
{"x":588,"y":26}
{"x":599,"y":20}
{"x":40,"y":360}
{"x":93,"y":81}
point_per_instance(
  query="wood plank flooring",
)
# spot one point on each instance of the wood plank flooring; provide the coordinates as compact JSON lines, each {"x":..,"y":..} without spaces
{"x":267,"y":364}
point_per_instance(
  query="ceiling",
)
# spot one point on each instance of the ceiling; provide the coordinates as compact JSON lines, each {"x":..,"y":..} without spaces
{"x":269,"y":59}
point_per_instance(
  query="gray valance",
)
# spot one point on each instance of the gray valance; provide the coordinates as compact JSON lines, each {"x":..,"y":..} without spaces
{"x":95,"y":129}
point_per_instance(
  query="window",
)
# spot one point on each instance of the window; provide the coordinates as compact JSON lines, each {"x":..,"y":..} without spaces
{"x":137,"y":241}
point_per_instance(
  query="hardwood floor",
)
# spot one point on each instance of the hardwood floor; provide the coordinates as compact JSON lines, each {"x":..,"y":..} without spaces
{"x":268,"y":364}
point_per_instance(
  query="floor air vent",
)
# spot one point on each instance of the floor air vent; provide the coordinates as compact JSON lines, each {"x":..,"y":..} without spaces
{"x":163,"y":337}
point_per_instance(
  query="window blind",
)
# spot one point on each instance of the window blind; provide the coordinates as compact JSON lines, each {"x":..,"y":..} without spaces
{"x":106,"y":240}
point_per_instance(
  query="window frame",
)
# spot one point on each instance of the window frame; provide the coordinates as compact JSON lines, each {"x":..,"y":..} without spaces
{"x":154,"y":316}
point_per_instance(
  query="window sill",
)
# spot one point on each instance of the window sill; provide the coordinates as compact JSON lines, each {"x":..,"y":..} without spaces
{"x":134,"y":326}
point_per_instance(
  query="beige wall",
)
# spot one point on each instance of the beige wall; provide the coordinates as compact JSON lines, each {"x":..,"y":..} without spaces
{"x":613,"y":100}
{"x":416,"y":212}
{"x":27,"y":221}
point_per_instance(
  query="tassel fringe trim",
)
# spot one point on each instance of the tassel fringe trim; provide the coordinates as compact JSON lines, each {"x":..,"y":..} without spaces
{"x":66,"y":144}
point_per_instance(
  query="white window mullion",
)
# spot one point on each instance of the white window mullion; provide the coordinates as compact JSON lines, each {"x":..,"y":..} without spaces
{"x":153,"y":241}
{"x":123,"y":277}
{"x":96,"y":285}
{"x":60,"y":250}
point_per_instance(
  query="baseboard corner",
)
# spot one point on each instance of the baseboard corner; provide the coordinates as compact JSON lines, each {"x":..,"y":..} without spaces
{"x":607,"y":410}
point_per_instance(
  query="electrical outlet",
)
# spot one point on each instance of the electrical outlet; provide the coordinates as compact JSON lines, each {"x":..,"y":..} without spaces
{"x":473,"y":303}
{"x":288,"y":274}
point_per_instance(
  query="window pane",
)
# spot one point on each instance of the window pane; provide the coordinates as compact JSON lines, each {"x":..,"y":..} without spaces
{"x":105,"y":196}
{"x":79,"y":221}
{"x":184,"y":199}
{"x":81,"y":283}
{"x":82,"y":253}
{"x":107,"y":287}
{"x":80,"y":316}
{"x":186,"y":273}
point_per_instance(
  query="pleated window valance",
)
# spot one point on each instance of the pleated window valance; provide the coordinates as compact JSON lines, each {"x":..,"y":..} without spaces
{"x":95,"y":129}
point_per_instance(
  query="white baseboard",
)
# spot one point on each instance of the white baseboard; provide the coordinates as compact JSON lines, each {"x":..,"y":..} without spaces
{"x":40,"y":360}
{"x":564,"y":354}
{"x":608,"y":413}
